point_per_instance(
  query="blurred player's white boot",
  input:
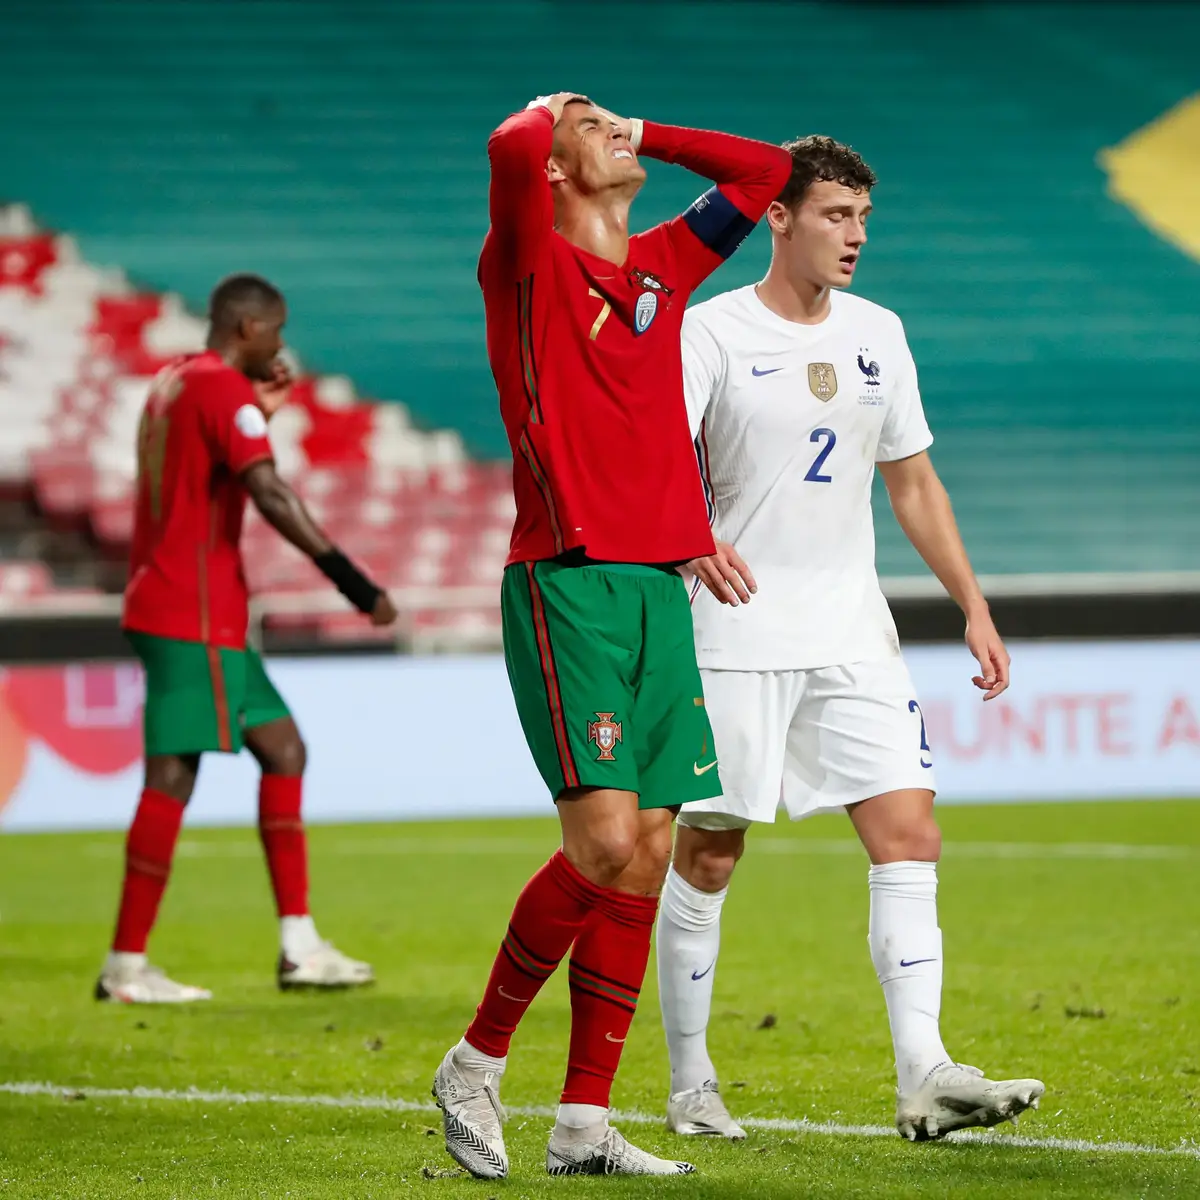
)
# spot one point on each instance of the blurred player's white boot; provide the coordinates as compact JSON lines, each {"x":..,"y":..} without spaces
{"x":700,"y":1112}
{"x":956,"y":1096}
{"x":307,"y":961}
{"x":601,"y":1150}
{"x":472,"y":1116}
{"x":130,"y":979}
{"x":324,"y":967}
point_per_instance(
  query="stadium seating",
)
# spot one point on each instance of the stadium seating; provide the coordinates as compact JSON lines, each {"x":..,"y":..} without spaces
{"x":78,"y":348}
{"x":340,"y":148}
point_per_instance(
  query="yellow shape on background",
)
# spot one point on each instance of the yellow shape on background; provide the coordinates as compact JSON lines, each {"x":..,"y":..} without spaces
{"x":1156,"y":173}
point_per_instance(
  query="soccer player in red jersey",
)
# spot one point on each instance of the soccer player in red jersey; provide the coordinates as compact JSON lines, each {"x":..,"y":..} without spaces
{"x":583,"y":333}
{"x":202,"y":449}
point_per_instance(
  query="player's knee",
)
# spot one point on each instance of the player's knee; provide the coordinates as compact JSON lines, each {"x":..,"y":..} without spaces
{"x":705,"y":858}
{"x":173,"y":775}
{"x":654,"y":848}
{"x":919,"y":842}
{"x":289,"y":757}
{"x":605,"y":852}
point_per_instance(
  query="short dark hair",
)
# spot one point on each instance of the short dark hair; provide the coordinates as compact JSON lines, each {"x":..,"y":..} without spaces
{"x":240,"y":296}
{"x":817,"y":159}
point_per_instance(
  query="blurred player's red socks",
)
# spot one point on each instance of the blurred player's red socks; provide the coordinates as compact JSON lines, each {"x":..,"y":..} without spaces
{"x":284,"y":843}
{"x":548,"y":916}
{"x":608,"y":965}
{"x":149,"y":848}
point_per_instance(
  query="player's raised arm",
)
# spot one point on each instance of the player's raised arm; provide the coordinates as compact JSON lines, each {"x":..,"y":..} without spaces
{"x":520,"y":206}
{"x":748,"y":175}
{"x":284,"y":511}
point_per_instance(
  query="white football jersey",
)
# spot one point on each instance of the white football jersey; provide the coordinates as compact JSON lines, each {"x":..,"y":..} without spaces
{"x":789,"y":422}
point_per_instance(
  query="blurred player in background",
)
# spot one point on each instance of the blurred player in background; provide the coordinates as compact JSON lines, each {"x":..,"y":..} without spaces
{"x":202,"y":448}
{"x":583,"y":328}
{"x":796,"y":390}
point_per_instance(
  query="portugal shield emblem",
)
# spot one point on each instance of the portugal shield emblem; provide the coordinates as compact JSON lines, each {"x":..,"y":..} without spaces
{"x":606,"y":734}
{"x":822,"y":380}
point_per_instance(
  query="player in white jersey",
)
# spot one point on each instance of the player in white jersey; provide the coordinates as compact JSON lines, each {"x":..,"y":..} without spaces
{"x":797,"y":391}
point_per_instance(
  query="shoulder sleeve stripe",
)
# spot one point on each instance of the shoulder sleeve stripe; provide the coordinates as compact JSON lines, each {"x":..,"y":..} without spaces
{"x":718,"y":222}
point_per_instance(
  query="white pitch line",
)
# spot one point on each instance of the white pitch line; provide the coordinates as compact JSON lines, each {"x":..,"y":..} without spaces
{"x":767,"y":1124}
{"x":804,"y":847}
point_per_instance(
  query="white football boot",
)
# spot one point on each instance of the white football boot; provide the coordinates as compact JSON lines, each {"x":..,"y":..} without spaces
{"x":130,"y":979}
{"x":324,"y":966}
{"x":472,"y":1117}
{"x":955,"y":1096}
{"x":700,"y":1112}
{"x":601,"y":1150}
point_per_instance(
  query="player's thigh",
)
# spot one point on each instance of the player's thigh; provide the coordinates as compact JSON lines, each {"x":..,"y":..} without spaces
{"x":858,"y":732}
{"x":193,"y":693}
{"x":572,"y":640}
{"x":751,"y":713}
{"x":675,"y":745}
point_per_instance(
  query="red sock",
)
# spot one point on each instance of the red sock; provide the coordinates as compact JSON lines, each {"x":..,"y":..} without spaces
{"x":284,"y":843}
{"x":608,"y":965}
{"x":548,"y":916}
{"x":149,"y":848}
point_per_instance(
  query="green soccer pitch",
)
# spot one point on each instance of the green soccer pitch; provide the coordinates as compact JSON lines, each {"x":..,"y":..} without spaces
{"x":1072,"y":937}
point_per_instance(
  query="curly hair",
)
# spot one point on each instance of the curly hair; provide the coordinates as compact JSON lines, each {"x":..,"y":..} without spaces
{"x":816,"y":159}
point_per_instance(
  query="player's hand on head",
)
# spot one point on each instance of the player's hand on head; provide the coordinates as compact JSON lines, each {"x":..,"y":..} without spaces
{"x":384,"y":612}
{"x":274,"y":393}
{"x":726,"y":575}
{"x":986,"y":645}
{"x":556,"y":102}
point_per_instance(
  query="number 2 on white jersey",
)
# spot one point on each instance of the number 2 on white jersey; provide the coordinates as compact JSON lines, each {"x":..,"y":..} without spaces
{"x":814,"y":472}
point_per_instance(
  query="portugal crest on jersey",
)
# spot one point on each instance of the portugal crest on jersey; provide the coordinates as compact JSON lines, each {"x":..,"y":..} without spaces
{"x":822,"y":380}
{"x":644,"y":310}
{"x":606,"y":734}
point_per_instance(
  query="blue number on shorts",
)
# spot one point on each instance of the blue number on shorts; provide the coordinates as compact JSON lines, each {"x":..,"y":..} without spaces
{"x":913,"y":706}
{"x":814,"y":472}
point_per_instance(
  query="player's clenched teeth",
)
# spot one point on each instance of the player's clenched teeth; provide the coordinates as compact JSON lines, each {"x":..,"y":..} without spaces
{"x":622,"y":154}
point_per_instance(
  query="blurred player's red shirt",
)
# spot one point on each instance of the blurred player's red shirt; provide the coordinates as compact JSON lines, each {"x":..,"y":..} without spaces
{"x":201,"y":428}
{"x":586,"y":354}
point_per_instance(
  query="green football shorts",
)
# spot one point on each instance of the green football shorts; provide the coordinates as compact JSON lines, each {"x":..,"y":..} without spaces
{"x":603,"y":670}
{"x":200,"y":697}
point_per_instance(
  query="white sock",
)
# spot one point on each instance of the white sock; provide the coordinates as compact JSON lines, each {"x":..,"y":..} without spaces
{"x":475,"y":1060}
{"x":689,"y":937}
{"x":906,"y":948}
{"x":580,"y":1117}
{"x":120,"y":962}
{"x":298,"y":937}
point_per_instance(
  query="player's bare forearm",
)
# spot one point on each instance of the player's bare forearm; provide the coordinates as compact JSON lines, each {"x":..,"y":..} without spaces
{"x":923,"y":510}
{"x":752,"y":173}
{"x":284,"y":511}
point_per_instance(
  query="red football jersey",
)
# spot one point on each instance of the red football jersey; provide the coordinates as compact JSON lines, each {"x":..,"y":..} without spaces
{"x":201,"y":428}
{"x":586,"y":354}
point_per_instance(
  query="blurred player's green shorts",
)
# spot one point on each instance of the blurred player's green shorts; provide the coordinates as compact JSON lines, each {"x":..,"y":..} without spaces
{"x":603,"y":669}
{"x":201,"y":698}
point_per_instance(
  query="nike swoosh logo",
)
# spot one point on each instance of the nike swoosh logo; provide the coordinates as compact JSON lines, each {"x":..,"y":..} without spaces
{"x":609,"y":1037}
{"x":701,"y":770}
{"x":705,"y":971}
{"x":518,"y":999}
{"x":912,"y":962}
{"x":769,"y":371}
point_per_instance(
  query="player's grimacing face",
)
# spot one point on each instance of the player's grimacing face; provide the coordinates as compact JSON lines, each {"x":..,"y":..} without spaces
{"x":591,"y":150}
{"x":825,"y":233}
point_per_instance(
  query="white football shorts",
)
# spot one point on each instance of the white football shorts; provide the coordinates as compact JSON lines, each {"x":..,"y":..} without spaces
{"x":813,"y":741}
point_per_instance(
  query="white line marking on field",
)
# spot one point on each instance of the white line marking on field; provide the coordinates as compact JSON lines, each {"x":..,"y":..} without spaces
{"x":815,"y":847}
{"x":769,"y":1124}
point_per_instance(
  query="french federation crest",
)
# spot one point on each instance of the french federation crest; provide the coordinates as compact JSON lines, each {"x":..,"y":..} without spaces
{"x":606,"y":733}
{"x":822,"y":380}
{"x":644,"y":311}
